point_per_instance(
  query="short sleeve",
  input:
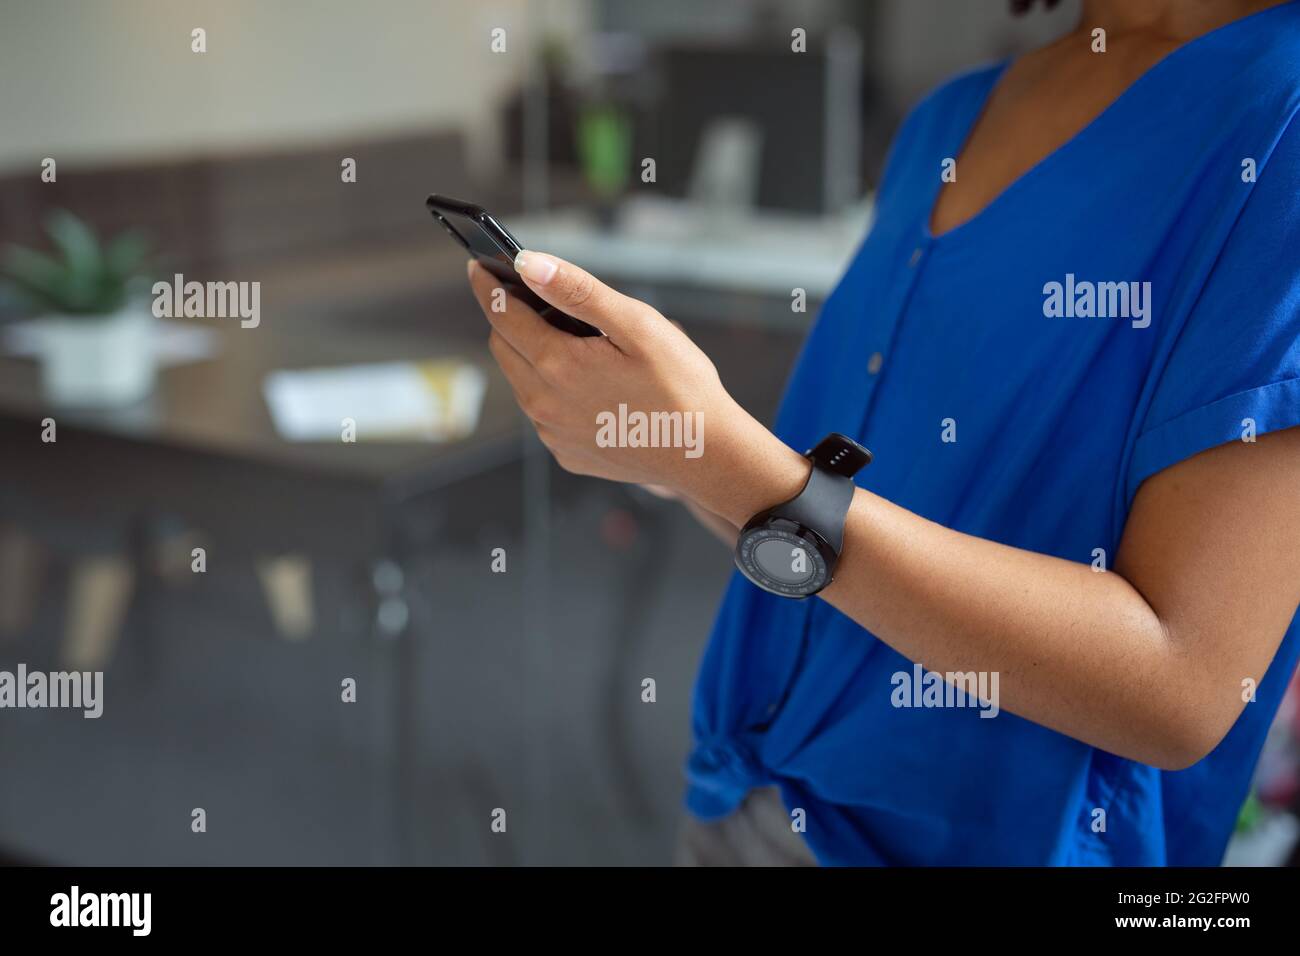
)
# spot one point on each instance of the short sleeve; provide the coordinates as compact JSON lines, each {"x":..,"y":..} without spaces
{"x":1235,"y":366}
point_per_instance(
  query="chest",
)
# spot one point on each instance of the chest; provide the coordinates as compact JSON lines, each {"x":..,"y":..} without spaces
{"x":1036,"y":108}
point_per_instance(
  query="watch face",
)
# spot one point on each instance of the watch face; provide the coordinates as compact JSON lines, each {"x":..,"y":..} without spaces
{"x":784,"y":558}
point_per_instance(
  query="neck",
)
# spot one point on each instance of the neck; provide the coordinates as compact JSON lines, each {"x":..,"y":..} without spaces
{"x":1167,"y":19}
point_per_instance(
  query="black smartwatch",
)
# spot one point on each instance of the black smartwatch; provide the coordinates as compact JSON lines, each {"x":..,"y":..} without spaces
{"x":791,"y":549}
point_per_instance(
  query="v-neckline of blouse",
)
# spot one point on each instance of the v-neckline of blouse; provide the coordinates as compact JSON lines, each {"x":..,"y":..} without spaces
{"x":1084,"y":133}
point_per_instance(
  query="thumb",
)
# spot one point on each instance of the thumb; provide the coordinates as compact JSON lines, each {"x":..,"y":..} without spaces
{"x":578,"y":293}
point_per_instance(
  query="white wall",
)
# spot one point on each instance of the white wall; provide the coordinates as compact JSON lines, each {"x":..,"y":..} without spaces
{"x":98,"y":80}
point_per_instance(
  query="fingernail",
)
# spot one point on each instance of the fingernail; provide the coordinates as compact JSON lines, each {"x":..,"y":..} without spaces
{"x":536,"y":266}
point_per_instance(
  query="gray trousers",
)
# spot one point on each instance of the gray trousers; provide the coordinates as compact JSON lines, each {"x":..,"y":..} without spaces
{"x":757,"y":833}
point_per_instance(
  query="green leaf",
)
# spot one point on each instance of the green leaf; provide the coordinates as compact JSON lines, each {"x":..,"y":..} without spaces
{"x":125,"y":254}
{"x":75,"y":240}
{"x":81,"y":292}
{"x":85,"y":279}
{"x":30,"y":268}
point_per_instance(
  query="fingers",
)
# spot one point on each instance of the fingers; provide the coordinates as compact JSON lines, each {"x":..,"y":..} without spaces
{"x":527,"y":332}
{"x":579,"y":294}
{"x":530,"y":390}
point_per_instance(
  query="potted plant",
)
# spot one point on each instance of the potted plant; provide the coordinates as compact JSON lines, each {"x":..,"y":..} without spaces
{"x":96,"y":328}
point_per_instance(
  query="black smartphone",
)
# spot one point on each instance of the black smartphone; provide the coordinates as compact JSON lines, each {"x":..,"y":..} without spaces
{"x":491,"y":244}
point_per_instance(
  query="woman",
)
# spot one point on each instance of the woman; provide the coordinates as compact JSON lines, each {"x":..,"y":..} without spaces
{"x":1077,"y":364}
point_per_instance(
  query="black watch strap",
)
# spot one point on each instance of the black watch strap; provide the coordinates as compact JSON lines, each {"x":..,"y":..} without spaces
{"x":826,"y":496}
{"x":839,"y":454}
{"x":822,"y":505}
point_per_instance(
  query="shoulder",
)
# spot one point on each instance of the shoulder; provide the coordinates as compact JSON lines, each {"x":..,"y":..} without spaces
{"x":1254,"y":96}
{"x":1248,"y":73}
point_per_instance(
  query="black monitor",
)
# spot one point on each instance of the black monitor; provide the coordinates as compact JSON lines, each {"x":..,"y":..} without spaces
{"x":806,"y":108}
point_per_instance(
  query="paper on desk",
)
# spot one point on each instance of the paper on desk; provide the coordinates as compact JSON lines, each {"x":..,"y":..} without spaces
{"x":437,"y":400}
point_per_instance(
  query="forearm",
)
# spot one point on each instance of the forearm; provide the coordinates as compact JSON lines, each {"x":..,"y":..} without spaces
{"x":1076,"y":650}
{"x":718,"y":526}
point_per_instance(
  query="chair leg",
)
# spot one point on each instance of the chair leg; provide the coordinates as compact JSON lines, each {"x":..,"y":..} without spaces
{"x":99,"y":593}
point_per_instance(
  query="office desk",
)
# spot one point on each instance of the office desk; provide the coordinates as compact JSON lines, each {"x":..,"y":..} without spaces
{"x":207,"y":423}
{"x":658,"y":242}
{"x":203,"y":449}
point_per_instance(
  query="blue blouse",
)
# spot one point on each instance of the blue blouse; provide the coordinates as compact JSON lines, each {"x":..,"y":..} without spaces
{"x":1128,"y":302}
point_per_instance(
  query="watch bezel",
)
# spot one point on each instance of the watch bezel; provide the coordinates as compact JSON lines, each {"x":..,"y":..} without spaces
{"x":767,"y":527}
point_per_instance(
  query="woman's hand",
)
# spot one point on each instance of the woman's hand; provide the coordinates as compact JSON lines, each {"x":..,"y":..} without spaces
{"x":584,"y":395}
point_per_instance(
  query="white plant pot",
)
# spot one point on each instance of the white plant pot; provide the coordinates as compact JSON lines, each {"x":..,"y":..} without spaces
{"x":100,"y":361}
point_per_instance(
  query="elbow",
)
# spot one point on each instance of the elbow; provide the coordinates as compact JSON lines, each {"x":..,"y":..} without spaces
{"x":1185,"y":714}
{"x":1187,"y":738}
{"x":1180,"y":755}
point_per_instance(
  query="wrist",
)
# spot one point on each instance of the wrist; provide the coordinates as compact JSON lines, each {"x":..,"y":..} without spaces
{"x":746,"y":469}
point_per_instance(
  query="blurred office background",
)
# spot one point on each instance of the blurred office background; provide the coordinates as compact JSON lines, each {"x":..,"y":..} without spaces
{"x":325,"y":560}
